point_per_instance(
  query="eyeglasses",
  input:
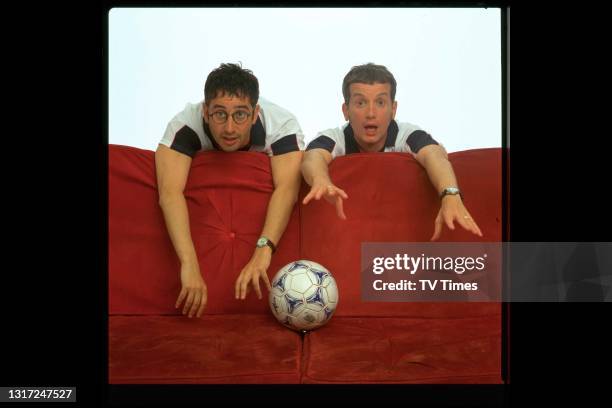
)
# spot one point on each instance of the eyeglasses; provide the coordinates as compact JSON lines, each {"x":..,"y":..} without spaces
{"x":220,"y":117}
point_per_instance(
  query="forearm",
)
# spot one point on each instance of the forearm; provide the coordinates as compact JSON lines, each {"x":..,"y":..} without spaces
{"x":176,"y":215}
{"x":279,"y":211}
{"x":314,"y":167}
{"x":440,"y":172}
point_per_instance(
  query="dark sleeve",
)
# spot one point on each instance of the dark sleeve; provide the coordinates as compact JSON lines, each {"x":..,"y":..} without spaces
{"x":419,"y":139}
{"x":186,"y":141}
{"x":285,"y":144}
{"x":322,"y":142}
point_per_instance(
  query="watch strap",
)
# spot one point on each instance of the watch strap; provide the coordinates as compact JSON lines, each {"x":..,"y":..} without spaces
{"x":270,"y":244}
{"x":451,"y":191}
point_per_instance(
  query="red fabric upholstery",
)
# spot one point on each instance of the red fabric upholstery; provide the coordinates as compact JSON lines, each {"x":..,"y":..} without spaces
{"x":227,"y":196}
{"x":392,"y":200}
{"x":404,"y":350}
{"x":214,"y":349}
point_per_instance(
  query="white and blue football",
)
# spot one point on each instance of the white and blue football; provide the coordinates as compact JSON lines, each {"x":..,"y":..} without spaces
{"x":304,"y":295}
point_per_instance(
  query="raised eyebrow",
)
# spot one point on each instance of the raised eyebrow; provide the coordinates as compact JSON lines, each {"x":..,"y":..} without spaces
{"x":378,"y":95}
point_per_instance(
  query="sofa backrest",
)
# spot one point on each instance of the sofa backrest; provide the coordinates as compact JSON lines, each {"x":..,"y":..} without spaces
{"x":392,"y":200}
{"x":227,"y":197}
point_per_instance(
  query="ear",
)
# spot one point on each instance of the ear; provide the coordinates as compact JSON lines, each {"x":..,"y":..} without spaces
{"x":345,"y":111}
{"x":394,"y":108}
{"x":255,"y":114}
{"x":205,"y":112}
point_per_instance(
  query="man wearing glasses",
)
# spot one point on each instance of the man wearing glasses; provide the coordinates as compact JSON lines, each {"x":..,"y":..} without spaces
{"x":232,"y":117}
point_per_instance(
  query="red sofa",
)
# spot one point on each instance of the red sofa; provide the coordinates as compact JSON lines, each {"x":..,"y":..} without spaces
{"x":236,"y":341}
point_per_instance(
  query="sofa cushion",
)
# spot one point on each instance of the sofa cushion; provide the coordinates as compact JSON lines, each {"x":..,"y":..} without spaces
{"x":404,"y":350}
{"x":227,"y":197}
{"x":392,"y":200}
{"x":213,"y":349}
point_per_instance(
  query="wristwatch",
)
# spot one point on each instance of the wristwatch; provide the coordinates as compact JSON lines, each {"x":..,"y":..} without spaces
{"x":263,"y":241}
{"x":451,"y":191}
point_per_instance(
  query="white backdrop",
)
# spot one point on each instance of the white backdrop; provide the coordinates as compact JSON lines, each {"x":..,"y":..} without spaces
{"x":447,"y":63}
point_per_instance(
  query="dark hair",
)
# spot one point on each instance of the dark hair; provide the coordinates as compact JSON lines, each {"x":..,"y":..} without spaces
{"x":368,"y":74}
{"x":231,"y":79}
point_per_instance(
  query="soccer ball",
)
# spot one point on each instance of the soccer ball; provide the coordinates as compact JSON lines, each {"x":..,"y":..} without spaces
{"x":304,"y":295}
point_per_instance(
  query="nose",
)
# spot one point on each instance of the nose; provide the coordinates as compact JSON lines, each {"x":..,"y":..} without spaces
{"x":228,"y":127}
{"x":370,"y":112}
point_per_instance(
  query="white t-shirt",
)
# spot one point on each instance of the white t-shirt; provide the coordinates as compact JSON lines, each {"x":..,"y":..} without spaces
{"x":276,"y":131}
{"x":401,"y":137}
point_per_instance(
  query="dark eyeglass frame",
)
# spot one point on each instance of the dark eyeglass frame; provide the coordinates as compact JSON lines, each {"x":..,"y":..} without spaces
{"x":214,"y":118}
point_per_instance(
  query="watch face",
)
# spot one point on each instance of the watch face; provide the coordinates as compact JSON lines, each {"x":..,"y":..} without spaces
{"x":261,"y":242}
{"x":452,"y":190}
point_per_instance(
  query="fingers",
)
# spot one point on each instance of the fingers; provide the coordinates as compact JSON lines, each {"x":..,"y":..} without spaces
{"x":329,"y":191}
{"x":440,"y":221}
{"x":243,"y":288}
{"x":309,"y":196}
{"x":246,"y":279}
{"x":449,"y":222}
{"x":203,"y":302}
{"x":267,"y":280}
{"x":237,"y":285}
{"x":180,"y":298}
{"x":469,"y":224}
{"x":197,"y":296}
{"x":339,"y":208}
{"x":342,"y":193}
{"x":336,"y":196}
{"x":315,"y":192}
{"x":465,"y":221}
{"x":477,"y":228}
{"x":241,"y":285}
{"x":319,"y":193}
{"x":195,"y":301}
{"x":255,"y":281}
{"x":437,"y":229}
{"x":333,"y":191}
{"x":189,"y":301}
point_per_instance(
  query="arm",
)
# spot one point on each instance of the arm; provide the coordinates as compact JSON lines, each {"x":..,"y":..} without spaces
{"x":287,"y":181}
{"x":315,"y":170}
{"x":435,"y":161}
{"x":172,"y":170}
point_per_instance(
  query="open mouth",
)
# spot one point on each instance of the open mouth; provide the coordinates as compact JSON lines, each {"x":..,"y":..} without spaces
{"x":370,"y":130}
{"x":230,"y":141}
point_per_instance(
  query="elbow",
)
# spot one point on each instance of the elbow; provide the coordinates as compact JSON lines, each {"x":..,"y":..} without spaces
{"x":429,"y":155}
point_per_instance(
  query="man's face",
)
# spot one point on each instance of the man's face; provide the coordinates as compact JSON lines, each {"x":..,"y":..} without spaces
{"x":230,"y":119}
{"x":370,"y":111}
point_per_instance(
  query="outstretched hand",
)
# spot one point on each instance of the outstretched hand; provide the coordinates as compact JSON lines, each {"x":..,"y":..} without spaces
{"x":193,"y":292}
{"x":451,"y":210}
{"x":331,"y":193}
{"x":253,"y":271}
